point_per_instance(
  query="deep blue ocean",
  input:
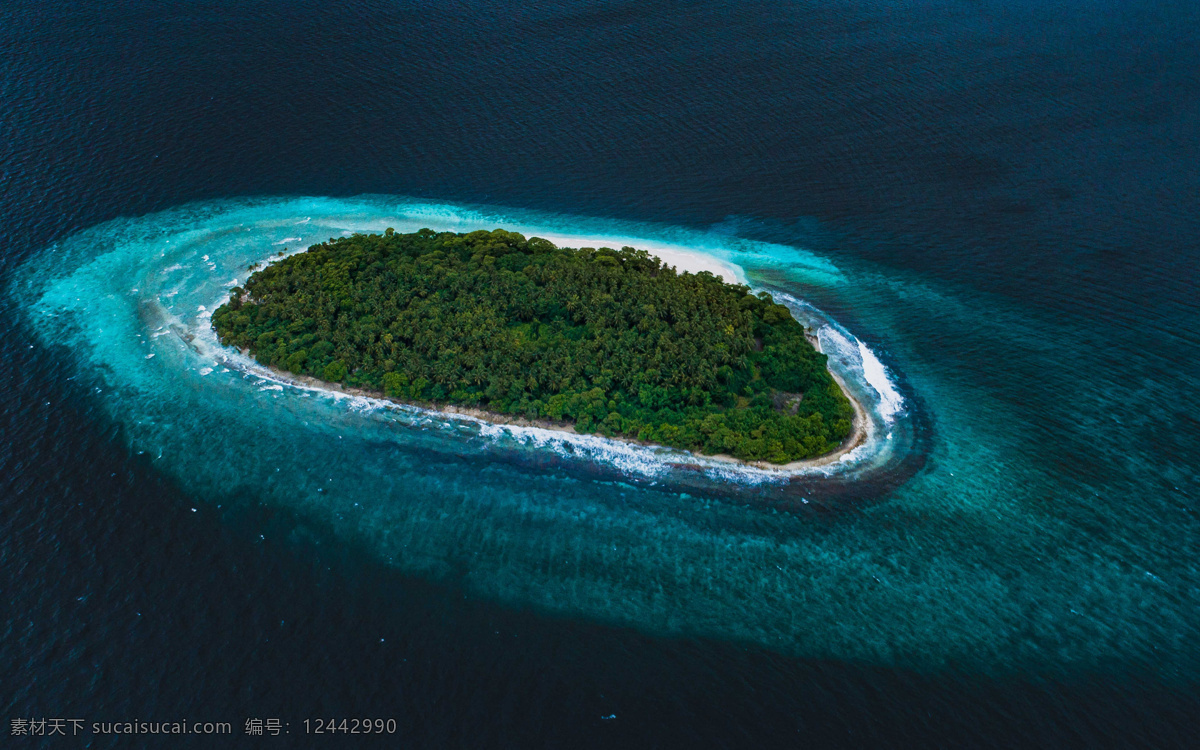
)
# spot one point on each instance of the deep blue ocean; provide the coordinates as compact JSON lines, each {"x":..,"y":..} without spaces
{"x":990,"y":209}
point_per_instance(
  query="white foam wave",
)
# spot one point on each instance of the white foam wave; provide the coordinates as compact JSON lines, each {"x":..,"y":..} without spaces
{"x":891,"y":402}
{"x":851,"y":353}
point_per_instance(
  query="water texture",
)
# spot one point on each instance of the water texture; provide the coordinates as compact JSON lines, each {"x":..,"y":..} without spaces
{"x":987,"y":209}
{"x":961,"y":564}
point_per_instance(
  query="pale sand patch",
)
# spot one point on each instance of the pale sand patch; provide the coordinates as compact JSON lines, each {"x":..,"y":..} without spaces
{"x":684,"y":259}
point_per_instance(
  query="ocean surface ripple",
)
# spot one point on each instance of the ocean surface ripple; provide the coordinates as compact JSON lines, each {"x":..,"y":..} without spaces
{"x":907,"y":552}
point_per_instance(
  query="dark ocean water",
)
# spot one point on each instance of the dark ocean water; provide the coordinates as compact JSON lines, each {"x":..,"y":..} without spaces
{"x":998,"y":200}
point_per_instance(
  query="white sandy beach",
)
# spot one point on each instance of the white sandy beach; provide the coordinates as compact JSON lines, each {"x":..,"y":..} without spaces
{"x":682,"y":258}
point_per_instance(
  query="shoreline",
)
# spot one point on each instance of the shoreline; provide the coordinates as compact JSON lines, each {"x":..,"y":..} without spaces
{"x":858,"y":430}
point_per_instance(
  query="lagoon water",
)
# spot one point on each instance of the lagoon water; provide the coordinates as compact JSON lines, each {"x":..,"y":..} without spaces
{"x":988,"y":211}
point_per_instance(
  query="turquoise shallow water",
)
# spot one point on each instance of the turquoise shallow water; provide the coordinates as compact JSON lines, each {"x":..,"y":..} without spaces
{"x":966,"y":532}
{"x":996,"y":199}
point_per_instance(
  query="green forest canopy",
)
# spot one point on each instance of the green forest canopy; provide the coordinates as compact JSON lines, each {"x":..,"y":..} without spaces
{"x":611,"y":340}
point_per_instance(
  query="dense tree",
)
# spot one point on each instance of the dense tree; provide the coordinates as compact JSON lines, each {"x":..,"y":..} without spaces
{"x":611,"y":340}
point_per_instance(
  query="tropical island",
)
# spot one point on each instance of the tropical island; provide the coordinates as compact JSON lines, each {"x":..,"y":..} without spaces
{"x":603,"y":341}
